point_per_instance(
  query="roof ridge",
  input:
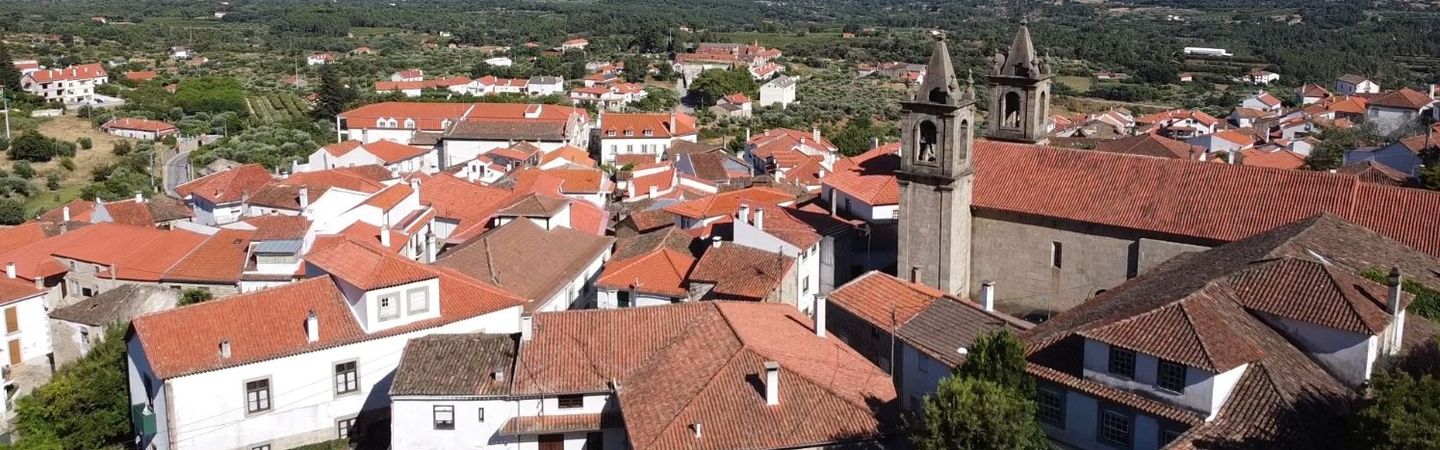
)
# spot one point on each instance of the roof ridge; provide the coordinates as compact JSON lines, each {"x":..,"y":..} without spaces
{"x":1350,"y":304}
{"x":716,"y":374}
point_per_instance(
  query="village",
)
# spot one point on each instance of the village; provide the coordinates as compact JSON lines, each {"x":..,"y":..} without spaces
{"x":649,"y":250}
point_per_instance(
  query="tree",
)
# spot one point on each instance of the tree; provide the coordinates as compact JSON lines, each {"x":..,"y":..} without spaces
{"x":32,"y":146}
{"x":85,"y":405}
{"x":195,"y":295}
{"x":985,"y":405}
{"x":977,"y":414}
{"x":1000,"y":358}
{"x":1401,"y":413}
{"x":636,"y":67}
{"x":1334,"y":142}
{"x":211,"y":95}
{"x":713,"y":84}
{"x":334,"y":95}
{"x":9,"y":75}
{"x":23,"y":169}
{"x":12,"y":212}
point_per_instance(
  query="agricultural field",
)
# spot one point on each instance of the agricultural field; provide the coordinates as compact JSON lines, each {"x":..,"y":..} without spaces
{"x":277,"y":107}
{"x":1079,"y":84}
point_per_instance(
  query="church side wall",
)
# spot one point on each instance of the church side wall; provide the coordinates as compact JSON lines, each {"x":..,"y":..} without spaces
{"x":1015,"y":251}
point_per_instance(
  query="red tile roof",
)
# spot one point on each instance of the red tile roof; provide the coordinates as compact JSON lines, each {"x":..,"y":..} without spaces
{"x":1278,"y":159}
{"x":17,"y":236}
{"x":661,"y":271}
{"x":879,"y":298}
{"x":391,"y":152}
{"x":727,"y":203}
{"x":136,"y":253}
{"x":869,"y":177}
{"x":278,"y":227}
{"x":218,"y":260}
{"x":742,"y":273}
{"x":389,"y":197}
{"x":262,"y":325}
{"x":1189,"y":198}
{"x":695,"y":363}
{"x":138,"y":124}
{"x":72,"y":73}
{"x":657,"y":124}
{"x":431,"y":116}
{"x":140,"y":75}
{"x":1404,"y":98}
{"x":227,"y":186}
{"x":366,"y":267}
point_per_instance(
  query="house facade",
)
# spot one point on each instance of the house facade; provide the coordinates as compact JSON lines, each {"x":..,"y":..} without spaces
{"x":74,"y":85}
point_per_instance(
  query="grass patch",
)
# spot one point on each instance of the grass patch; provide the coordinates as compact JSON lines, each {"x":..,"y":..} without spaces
{"x":47,"y":200}
{"x":1080,"y":84}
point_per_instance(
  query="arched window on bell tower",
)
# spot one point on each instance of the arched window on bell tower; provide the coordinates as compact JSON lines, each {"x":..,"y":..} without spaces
{"x":938,"y":95}
{"x":1011,"y":116}
{"x":926,"y":139}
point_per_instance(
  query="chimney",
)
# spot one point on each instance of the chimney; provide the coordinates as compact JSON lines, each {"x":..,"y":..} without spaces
{"x":654,"y":191}
{"x":312,"y":327}
{"x":672,"y":122}
{"x":498,"y":375}
{"x":385,"y":236}
{"x":696,"y":426}
{"x":224,"y":348}
{"x":874,"y":143}
{"x":772,"y":383}
{"x":987,"y":295}
{"x":65,"y":214}
{"x":834,"y":199}
{"x":1230,"y":157}
{"x":743,"y":216}
{"x":304,"y":197}
{"x":527,"y":327}
{"x":139,"y":197}
{"x":473,"y":174}
{"x":759,"y":219}
{"x":815,"y":134}
{"x":10,"y":270}
{"x":1392,"y":304}
{"x":820,"y":305}
{"x":715,"y":241}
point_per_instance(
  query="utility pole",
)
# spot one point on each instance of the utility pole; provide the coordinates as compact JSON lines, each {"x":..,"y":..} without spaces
{"x":6,"y":96}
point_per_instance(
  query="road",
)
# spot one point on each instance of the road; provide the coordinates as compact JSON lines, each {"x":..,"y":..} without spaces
{"x":176,"y":171}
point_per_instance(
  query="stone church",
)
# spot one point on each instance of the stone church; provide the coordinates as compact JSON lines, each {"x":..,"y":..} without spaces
{"x":1053,"y":226}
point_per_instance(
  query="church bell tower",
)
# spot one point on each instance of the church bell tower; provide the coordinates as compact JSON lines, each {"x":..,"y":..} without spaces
{"x":936,"y":178}
{"x":1019,"y":93}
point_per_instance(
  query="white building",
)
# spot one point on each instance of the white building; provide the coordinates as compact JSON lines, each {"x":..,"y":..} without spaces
{"x":74,"y":85}
{"x":298,"y":364}
{"x":1351,"y":84}
{"x":543,"y":85}
{"x":466,"y":130}
{"x":136,"y":128}
{"x":27,"y":331}
{"x":398,"y":158}
{"x":219,"y":198}
{"x":1206,"y":51}
{"x":779,"y":91}
{"x":319,"y":59}
{"x":1398,"y":110}
{"x":500,"y":61}
{"x":648,"y":134}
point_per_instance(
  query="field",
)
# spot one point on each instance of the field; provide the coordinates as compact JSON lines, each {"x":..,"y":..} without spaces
{"x":1080,"y":84}
{"x":69,"y":129}
{"x":277,"y":107}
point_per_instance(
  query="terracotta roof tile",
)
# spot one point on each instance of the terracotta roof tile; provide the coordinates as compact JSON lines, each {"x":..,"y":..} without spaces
{"x":432,"y":365}
{"x":367,"y":268}
{"x":218,"y":260}
{"x":227,"y":186}
{"x":660,"y":271}
{"x":727,"y":203}
{"x":742,"y":273}
{"x":525,"y":260}
{"x":1151,"y":145}
{"x":883,"y":300}
{"x":1404,"y":98}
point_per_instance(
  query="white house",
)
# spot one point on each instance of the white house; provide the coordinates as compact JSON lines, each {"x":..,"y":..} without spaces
{"x":864,"y":186}
{"x":318,"y":59}
{"x":718,"y":365}
{"x":779,"y":91}
{"x":1262,"y":77}
{"x":500,"y":61}
{"x":542,"y":85}
{"x":1398,"y":110}
{"x":648,"y":134}
{"x":398,"y":158}
{"x":180,"y":52}
{"x":1263,"y":101}
{"x":1206,"y":51}
{"x":27,"y":331}
{"x":467,"y":130}
{"x":1351,"y":84}
{"x":408,"y":75}
{"x":72,"y":85}
{"x":137,"y":128}
{"x":302,"y":363}
{"x":219,"y":198}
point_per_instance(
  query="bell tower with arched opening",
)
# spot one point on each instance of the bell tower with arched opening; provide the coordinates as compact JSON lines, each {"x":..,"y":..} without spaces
{"x":1019,"y":93}
{"x":936,"y":178}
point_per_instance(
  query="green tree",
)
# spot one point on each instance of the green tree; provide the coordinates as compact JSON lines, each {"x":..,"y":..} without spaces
{"x":85,"y":405}
{"x":334,"y":95}
{"x":12,"y":212}
{"x":1000,"y":358}
{"x":1334,"y":142}
{"x":985,"y":405}
{"x":32,"y":146}
{"x":977,"y":414}
{"x":9,"y":75}
{"x":211,"y":95}
{"x":713,"y":84}
{"x":24,"y":170}
{"x":195,"y":295}
{"x":1401,"y":413}
{"x":636,"y":67}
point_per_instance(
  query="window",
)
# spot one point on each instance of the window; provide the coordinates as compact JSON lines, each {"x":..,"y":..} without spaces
{"x":418,"y":301}
{"x":343,"y":427}
{"x":1122,"y":362}
{"x":261,"y":447}
{"x":805,"y":284}
{"x":1170,"y":376}
{"x":1168,"y":436}
{"x":257,"y":396}
{"x":594,"y":441}
{"x":571,"y":401}
{"x":347,"y":378}
{"x":482,"y":414}
{"x":444,"y":417}
{"x":1050,"y":407}
{"x":1057,"y":254}
{"x":622,"y":299}
{"x":389,"y":307}
{"x":1114,"y":428}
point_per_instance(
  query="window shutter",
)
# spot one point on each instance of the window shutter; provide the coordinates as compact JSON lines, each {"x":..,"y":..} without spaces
{"x":12,"y":321}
